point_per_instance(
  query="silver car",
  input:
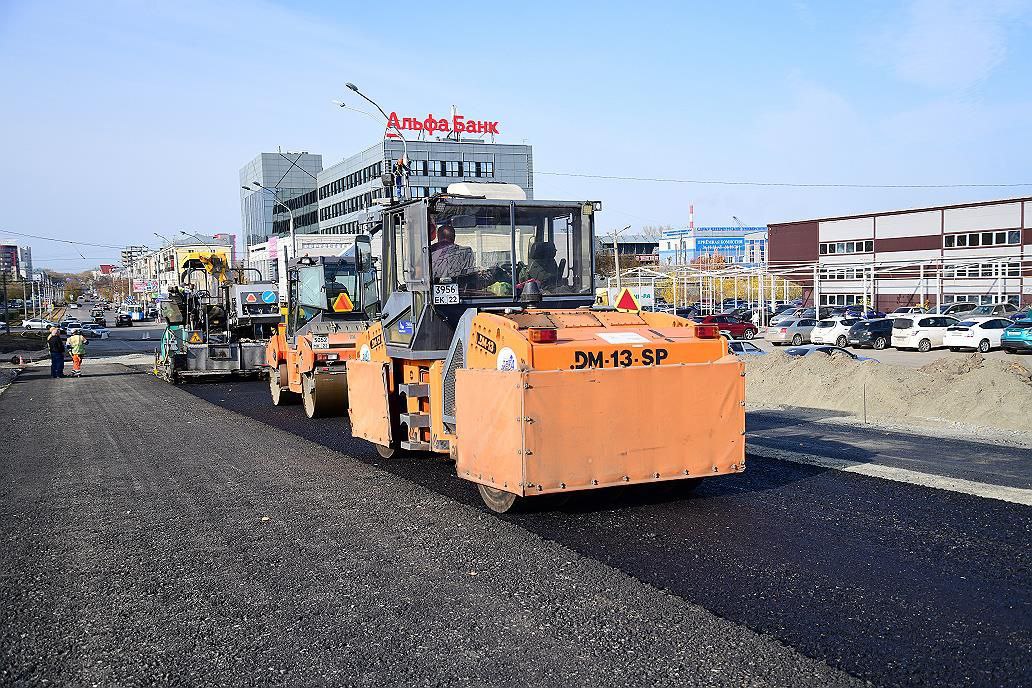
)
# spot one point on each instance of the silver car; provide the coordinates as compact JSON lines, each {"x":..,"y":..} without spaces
{"x":795,"y":332}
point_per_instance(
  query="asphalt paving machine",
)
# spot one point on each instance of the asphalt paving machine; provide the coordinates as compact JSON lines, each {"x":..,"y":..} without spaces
{"x":489,"y":348}
{"x":330,"y":302}
{"x":216,"y":324}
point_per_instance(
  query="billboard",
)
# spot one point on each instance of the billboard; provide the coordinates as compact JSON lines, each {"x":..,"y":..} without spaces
{"x":144,"y":286}
{"x":728,"y":246}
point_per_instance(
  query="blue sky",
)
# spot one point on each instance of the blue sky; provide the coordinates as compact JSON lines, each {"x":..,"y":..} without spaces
{"x":126,"y":118}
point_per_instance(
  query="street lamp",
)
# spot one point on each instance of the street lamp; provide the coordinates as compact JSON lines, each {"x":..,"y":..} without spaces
{"x":290,"y":213}
{"x":404,"y":144}
{"x":616,"y":255}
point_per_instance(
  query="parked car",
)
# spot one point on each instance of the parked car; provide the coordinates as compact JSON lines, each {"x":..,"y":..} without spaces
{"x":923,"y":333}
{"x":73,"y":305}
{"x":794,"y":332}
{"x":1017,"y":337}
{"x":873,"y":333}
{"x":5,"y":328}
{"x":123,"y":320}
{"x":954,"y":308}
{"x":94,"y":331}
{"x":37,"y":324}
{"x":733,"y":327}
{"x":833,"y":330}
{"x":1005,"y":310}
{"x":824,"y":349}
{"x":982,"y":333}
{"x":906,"y":310}
{"x":739,"y":348}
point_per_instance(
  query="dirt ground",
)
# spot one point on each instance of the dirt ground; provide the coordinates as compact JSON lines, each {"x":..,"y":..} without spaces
{"x":971,"y":390}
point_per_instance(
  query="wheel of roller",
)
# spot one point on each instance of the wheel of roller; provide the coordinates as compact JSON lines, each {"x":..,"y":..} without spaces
{"x":324,"y":395}
{"x":280,"y":395}
{"x":385,"y":451}
{"x":497,"y":501}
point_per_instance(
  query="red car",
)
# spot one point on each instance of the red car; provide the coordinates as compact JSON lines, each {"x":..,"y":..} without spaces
{"x":730,"y":325}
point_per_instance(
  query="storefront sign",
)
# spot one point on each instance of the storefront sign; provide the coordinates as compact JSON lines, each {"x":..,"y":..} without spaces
{"x":431,"y":124}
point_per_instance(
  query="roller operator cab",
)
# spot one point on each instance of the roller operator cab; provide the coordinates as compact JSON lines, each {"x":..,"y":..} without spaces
{"x":330,"y":302}
{"x":489,"y":349}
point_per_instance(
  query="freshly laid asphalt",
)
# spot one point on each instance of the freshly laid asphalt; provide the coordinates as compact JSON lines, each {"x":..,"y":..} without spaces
{"x":136,"y":552}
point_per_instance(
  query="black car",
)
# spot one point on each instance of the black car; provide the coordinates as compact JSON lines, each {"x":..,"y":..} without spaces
{"x":123,"y":320}
{"x":876,"y":334}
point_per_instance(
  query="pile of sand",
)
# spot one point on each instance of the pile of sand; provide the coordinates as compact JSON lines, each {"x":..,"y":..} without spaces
{"x":972,"y":390}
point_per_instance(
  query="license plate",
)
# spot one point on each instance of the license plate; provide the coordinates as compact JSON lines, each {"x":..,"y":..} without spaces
{"x":446,"y":294}
{"x":320,"y":341}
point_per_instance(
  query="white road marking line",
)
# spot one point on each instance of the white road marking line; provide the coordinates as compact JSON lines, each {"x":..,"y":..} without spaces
{"x":1014,"y":495}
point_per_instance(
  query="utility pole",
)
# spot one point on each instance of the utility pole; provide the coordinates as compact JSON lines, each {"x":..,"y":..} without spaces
{"x":616,"y":256}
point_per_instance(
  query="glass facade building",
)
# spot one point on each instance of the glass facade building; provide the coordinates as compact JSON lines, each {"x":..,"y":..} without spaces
{"x":740,"y":245}
{"x":294,"y":175}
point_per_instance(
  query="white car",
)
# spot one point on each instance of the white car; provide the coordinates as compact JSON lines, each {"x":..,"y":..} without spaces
{"x":906,"y":310}
{"x":94,"y":331}
{"x":37,"y":324}
{"x":921,"y":332}
{"x":982,"y":333}
{"x":833,"y":330}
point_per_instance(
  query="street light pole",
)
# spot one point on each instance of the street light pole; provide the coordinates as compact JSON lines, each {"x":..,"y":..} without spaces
{"x":616,"y":256}
{"x":404,"y":144}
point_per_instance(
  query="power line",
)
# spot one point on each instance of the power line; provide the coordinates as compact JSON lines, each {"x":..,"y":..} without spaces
{"x":62,"y":241}
{"x":725,"y":182}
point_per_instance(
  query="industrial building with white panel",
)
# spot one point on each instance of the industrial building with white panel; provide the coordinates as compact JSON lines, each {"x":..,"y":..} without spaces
{"x":979,"y":252}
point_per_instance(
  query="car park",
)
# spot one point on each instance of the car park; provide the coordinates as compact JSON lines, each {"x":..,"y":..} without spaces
{"x":905,"y":310}
{"x":833,"y":330}
{"x":733,"y":327}
{"x":825,"y":349}
{"x":982,"y":333}
{"x":1017,"y":337}
{"x":922,"y":333}
{"x":794,"y":332}
{"x":740,"y":348}
{"x":873,"y":333}
{"x":37,"y":324}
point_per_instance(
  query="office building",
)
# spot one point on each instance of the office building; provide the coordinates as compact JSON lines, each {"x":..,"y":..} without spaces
{"x":346,"y":191}
{"x":979,"y":252}
{"x":293,"y":176}
{"x":638,"y":249}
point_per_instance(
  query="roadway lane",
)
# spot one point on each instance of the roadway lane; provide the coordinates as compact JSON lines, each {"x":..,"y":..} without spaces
{"x":152,"y":538}
{"x":898,"y":584}
{"x":802,"y":431}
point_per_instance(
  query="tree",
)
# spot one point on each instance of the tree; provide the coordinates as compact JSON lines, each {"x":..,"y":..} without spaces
{"x":605,"y":266}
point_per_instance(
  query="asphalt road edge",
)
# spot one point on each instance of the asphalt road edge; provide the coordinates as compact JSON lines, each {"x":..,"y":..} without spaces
{"x":1013,"y":495}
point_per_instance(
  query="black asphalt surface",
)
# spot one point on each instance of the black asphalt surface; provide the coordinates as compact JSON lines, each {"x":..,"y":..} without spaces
{"x":152,"y":538}
{"x":978,"y":458}
{"x":892,"y":583}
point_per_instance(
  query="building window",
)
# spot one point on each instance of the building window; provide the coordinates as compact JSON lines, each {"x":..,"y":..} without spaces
{"x":487,"y":169}
{"x":418,"y":168}
{"x":469,"y":169}
{"x":435,"y":168}
{"x":840,"y":247}
{"x":976,"y":239}
{"x":451,"y":168}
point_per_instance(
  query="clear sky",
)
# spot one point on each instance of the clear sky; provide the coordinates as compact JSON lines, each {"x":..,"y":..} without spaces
{"x":121,"y":119}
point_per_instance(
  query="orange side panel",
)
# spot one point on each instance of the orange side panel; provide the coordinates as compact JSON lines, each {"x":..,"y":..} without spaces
{"x":543,"y":431}
{"x":592,"y":428}
{"x":489,"y":428}
{"x":368,"y":401}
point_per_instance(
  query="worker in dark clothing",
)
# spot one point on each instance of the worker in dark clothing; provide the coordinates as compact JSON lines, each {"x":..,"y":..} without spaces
{"x":57,"y":352}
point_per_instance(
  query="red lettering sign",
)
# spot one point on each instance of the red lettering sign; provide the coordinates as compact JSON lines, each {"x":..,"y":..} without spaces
{"x":431,"y":124}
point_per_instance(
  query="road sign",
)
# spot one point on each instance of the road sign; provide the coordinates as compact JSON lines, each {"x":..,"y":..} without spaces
{"x":251,"y":297}
{"x":343,"y":304}
{"x":269,"y":296}
{"x":195,"y":338}
{"x":626,"y":301}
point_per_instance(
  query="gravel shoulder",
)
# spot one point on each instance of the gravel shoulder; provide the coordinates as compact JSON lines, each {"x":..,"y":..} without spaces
{"x":154,"y":538}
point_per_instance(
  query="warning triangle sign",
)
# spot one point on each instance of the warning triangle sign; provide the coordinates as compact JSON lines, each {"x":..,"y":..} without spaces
{"x":195,"y":338}
{"x":626,"y":301}
{"x":343,"y":304}
{"x":252,"y":297}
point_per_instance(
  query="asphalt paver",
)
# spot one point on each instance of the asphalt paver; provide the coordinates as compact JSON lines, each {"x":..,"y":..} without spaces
{"x":152,"y":538}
